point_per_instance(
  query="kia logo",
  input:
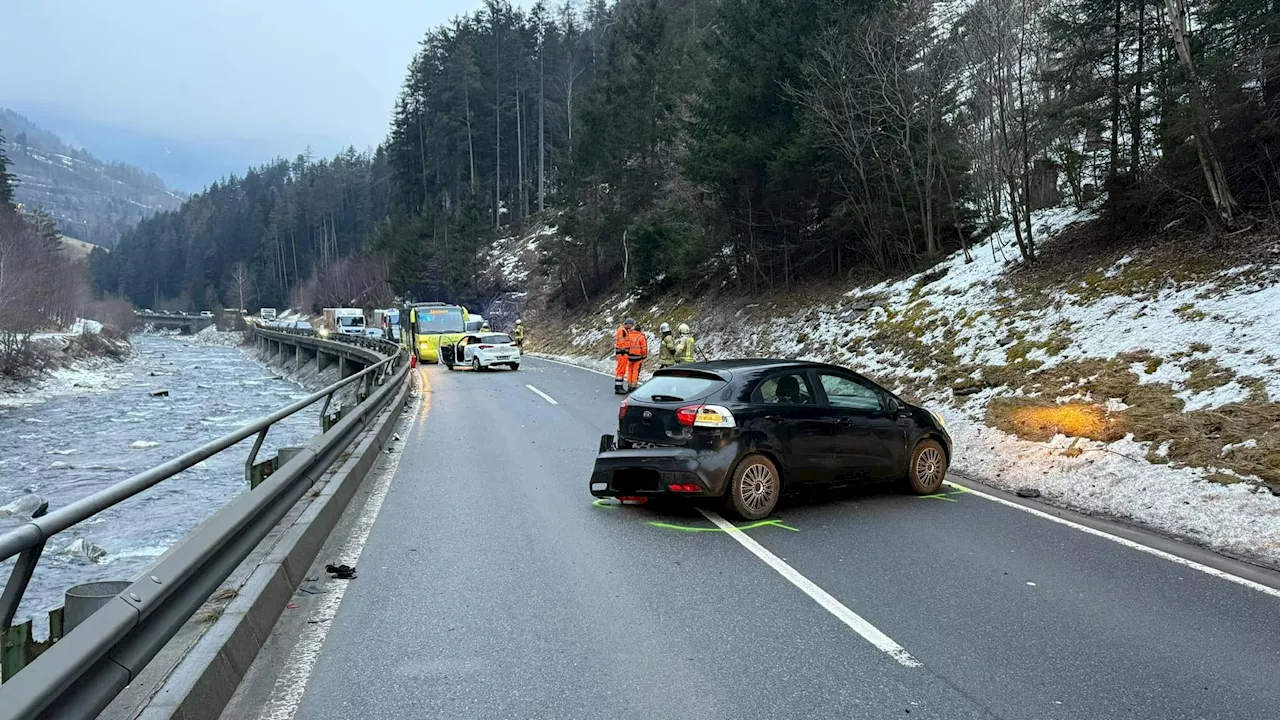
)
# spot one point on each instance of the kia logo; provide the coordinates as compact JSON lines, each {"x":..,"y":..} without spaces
{"x":647,"y":416}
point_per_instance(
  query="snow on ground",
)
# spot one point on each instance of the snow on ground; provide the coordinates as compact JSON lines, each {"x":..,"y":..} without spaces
{"x":213,"y":337}
{"x":508,"y":257}
{"x":90,"y":376}
{"x":79,"y":327}
{"x":967,"y":314}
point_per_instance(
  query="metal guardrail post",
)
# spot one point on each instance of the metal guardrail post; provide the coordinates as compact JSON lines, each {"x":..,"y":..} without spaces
{"x":253,"y":455}
{"x":324,"y":412}
{"x":21,"y":575}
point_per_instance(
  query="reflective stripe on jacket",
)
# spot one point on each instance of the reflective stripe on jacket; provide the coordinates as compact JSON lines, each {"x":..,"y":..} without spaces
{"x":684,"y":349}
{"x":638,"y":346}
{"x":620,"y":341}
{"x":667,"y":351}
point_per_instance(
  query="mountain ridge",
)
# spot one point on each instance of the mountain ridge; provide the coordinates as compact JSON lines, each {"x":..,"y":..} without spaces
{"x":91,"y":199}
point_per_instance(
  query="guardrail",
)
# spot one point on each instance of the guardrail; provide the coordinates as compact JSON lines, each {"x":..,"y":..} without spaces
{"x":80,"y":674}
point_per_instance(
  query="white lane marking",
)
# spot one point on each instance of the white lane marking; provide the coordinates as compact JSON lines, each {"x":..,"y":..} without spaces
{"x":544,"y":396}
{"x":569,"y":364}
{"x":855,"y":621}
{"x":1221,"y":574}
{"x":291,"y":683}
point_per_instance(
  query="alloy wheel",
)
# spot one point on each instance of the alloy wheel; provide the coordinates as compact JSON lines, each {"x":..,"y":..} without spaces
{"x":758,"y":487}
{"x":929,"y":467}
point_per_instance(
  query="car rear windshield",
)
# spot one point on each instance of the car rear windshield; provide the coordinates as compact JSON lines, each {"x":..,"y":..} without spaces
{"x":678,"y":388}
{"x":496,"y":339}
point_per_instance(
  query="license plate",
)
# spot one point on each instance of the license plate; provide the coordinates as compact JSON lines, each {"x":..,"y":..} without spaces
{"x":644,"y":445}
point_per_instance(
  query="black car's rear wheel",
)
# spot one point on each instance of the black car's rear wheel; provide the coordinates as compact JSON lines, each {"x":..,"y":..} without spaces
{"x":754,"y":488}
{"x":928,"y":468}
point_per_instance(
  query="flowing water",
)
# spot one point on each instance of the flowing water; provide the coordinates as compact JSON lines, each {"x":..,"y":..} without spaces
{"x":70,"y":447}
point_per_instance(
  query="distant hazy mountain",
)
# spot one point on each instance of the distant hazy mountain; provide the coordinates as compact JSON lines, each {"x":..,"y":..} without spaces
{"x":188,"y":162}
{"x":92,"y":200}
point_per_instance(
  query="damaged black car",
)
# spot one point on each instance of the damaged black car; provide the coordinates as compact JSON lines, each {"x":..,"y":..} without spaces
{"x":748,"y":430}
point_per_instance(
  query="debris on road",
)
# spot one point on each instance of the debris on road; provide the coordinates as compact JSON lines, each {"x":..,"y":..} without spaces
{"x":341,"y":572}
{"x":1028,"y":492}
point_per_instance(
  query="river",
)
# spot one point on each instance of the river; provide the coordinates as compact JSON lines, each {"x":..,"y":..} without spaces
{"x":71,"y":446}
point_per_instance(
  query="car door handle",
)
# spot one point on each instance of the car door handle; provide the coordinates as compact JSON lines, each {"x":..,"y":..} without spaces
{"x":845,"y":422}
{"x":774,"y":418}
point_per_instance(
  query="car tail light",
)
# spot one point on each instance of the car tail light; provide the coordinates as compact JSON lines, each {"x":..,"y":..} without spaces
{"x":713,"y":416}
{"x":685,"y":487}
{"x":622,"y":409}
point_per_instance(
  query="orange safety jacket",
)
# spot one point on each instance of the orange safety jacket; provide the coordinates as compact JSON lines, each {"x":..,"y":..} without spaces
{"x":639,"y":346}
{"x":621,"y":342}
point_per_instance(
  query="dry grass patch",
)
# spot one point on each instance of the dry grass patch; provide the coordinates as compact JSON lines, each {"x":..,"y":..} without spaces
{"x":1207,"y":374}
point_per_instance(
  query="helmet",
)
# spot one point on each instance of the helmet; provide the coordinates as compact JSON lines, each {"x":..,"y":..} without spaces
{"x":684,"y":329}
{"x":519,"y":322}
{"x":629,"y":321}
{"x":664,"y":328}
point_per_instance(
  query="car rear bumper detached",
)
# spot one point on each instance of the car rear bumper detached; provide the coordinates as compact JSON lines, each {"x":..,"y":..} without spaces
{"x":660,"y":471}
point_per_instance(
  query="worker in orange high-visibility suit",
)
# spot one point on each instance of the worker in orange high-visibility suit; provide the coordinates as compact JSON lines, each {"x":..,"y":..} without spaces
{"x":636,"y":354}
{"x":621,"y":346}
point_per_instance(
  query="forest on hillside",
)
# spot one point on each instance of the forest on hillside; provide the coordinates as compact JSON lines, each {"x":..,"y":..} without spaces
{"x":768,"y":143}
{"x":271,"y":237}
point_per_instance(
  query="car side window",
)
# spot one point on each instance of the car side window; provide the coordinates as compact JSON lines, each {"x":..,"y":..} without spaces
{"x":786,"y":389}
{"x":846,"y":392}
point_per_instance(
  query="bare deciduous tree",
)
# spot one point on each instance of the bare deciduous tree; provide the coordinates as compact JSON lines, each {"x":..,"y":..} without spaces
{"x":1001,"y":39}
{"x":876,"y":94}
{"x":240,"y":287}
{"x":1214,"y":176}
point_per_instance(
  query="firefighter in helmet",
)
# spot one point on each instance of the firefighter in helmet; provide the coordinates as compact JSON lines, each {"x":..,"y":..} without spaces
{"x":684,"y":345}
{"x":666,"y":347}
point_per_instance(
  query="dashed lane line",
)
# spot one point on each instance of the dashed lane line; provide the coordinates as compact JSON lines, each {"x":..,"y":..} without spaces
{"x":543,"y":395}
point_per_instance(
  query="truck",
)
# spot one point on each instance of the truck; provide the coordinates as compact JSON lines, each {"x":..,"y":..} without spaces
{"x":386,"y":322}
{"x":344,"y":321}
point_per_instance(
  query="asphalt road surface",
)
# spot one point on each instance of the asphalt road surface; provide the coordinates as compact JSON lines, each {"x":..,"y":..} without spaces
{"x":491,"y":586}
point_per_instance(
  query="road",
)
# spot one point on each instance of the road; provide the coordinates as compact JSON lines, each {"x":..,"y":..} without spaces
{"x":491,"y":586}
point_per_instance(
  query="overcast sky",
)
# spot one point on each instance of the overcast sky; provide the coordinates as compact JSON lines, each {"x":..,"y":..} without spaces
{"x":275,"y":74}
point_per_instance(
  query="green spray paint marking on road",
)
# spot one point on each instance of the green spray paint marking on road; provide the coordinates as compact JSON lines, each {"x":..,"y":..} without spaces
{"x":956,"y":490}
{"x":751,"y":526}
{"x":604,"y":503}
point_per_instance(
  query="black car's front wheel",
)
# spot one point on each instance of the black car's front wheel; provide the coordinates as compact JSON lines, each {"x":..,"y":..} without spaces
{"x":754,"y":488}
{"x":928,"y":468}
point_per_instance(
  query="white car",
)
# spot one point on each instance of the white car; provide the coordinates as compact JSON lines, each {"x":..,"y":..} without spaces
{"x":482,"y":351}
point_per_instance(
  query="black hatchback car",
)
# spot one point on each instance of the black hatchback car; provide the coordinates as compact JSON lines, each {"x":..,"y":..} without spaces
{"x":745,"y":430}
